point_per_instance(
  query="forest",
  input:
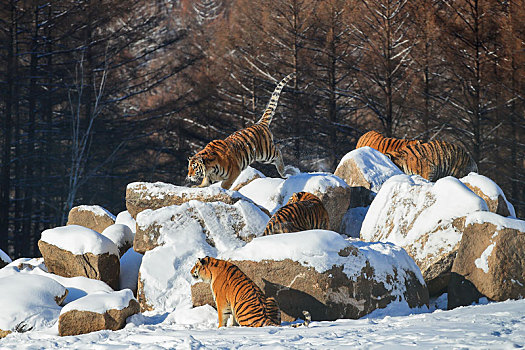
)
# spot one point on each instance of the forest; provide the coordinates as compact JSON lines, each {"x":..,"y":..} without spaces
{"x":95,"y":94}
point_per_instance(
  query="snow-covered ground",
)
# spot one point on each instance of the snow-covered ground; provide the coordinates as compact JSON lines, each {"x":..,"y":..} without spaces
{"x":495,"y":325}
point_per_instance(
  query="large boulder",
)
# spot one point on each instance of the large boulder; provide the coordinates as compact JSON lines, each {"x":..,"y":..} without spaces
{"x":490,"y":192}
{"x":272,"y":193}
{"x":4,"y":259}
{"x":29,"y":302}
{"x":323,"y":273}
{"x":490,"y":261}
{"x":365,"y":170}
{"x":73,"y":250}
{"x":219,"y":221}
{"x":247,"y":175}
{"x":143,"y":195}
{"x":96,"y":312}
{"x":424,"y":218}
{"x":121,"y":235}
{"x":174,"y":237}
{"x":94,"y":217}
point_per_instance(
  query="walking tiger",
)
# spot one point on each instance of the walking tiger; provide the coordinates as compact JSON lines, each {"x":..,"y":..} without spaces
{"x":225,"y":159}
{"x":304,"y":211}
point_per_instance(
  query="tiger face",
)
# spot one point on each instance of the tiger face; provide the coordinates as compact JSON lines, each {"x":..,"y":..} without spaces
{"x":196,"y":169}
{"x":201,"y":270}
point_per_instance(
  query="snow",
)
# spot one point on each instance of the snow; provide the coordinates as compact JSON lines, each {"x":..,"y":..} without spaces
{"x":79,"y":240}
{"x":319,"y":249}
{"x":374,"y":165}
{"x":272,"y":193}
{"x":129,"y":269}
{"x":4,"y":257}
{"x":101,"y":302}
{"x":407,"y":207}
{"x":483,"y":261}
{"x":125,"y":218}
{"x":494,"y":325}
{"x":489,"y":188}
{"x":30,"y":300}
{"x":119,"y":234}
{"x":77,"y":286}
{"x":499,"y":221}
{"x":96,"y":209}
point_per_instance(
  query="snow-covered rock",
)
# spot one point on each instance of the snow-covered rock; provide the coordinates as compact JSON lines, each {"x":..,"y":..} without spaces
{"x":424,"y":218}
{"x":490,"y":192}
{"x":223,"y":224}
{"x":353,"y":220}
{"x":129,"y":270}
{"x":181,"y":235}
{"x":366,"y":167}
{"x":125,"y":218}
{"x":29,"y":302}
{"x":74,"y":250}
{"x":97,"y":311}
{"x":490,"y":261}
{"x":323,"y":273}
{"x":94,"y":217}
{"x":4,"y":259}
{"x":144,"y":195}
{"x":272,"y":193}
{"x":121,"y":235}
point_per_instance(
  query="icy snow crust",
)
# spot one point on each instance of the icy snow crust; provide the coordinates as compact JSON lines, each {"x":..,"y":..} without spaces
{"x":30,"y":300}
{"x":79,"y":240}
{"x":96,"y":209}
{"x":429,"y":207}
{"x":101,"y":302}
{"x":319,"y":249}
{"x":496,"y":325}
{"x":489,"y":188}
{"x":272,"y":193}
{"x":4,"y":257}
{"x":375,"y":166}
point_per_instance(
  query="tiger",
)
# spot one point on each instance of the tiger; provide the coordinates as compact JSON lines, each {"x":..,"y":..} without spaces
{"x":303,"y":211}
{"x":236,"y":295}
{"x":383,"y":144}
{"x":434,"y":160}
{"x":225,"y":159}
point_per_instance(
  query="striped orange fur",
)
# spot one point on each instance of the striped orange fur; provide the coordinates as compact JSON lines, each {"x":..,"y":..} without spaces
{"x":236,"y":295}
{"x":223,"y":160}
{"x":434,"y":160}
{"x":304,"y":211}
{"x":381,"y":143}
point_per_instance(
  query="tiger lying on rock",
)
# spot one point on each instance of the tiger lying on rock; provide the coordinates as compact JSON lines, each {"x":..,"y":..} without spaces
{"x":225,"y":159}
{"x":304,"y":211}
{"x":238,"y":296}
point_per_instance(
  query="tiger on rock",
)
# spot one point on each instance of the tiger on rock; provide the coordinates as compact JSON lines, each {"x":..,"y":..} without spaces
{"x":383,"y":144}
{"x":303,"y":211}
{"x":434,"y":160}
{"x":236,"y":295}
{"x":223,"y":160}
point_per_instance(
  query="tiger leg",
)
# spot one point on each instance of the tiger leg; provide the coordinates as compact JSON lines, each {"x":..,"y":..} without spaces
{"x":205,"y":182}
{"x":223,"y":312}
{"x":234,"y":174}
{"x":279,"y":163}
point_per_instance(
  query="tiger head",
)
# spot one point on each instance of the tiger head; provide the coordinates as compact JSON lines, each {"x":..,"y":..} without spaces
{"x":196,"y":169}
{"x":201,"y":269}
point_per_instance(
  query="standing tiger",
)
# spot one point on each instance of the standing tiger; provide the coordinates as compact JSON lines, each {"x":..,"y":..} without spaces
{"x":381,"y":143}
{"x":236,"y":295}
{"x":434,"y":160}
{"x":225,"y":159}
{"x":304,"y":211}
